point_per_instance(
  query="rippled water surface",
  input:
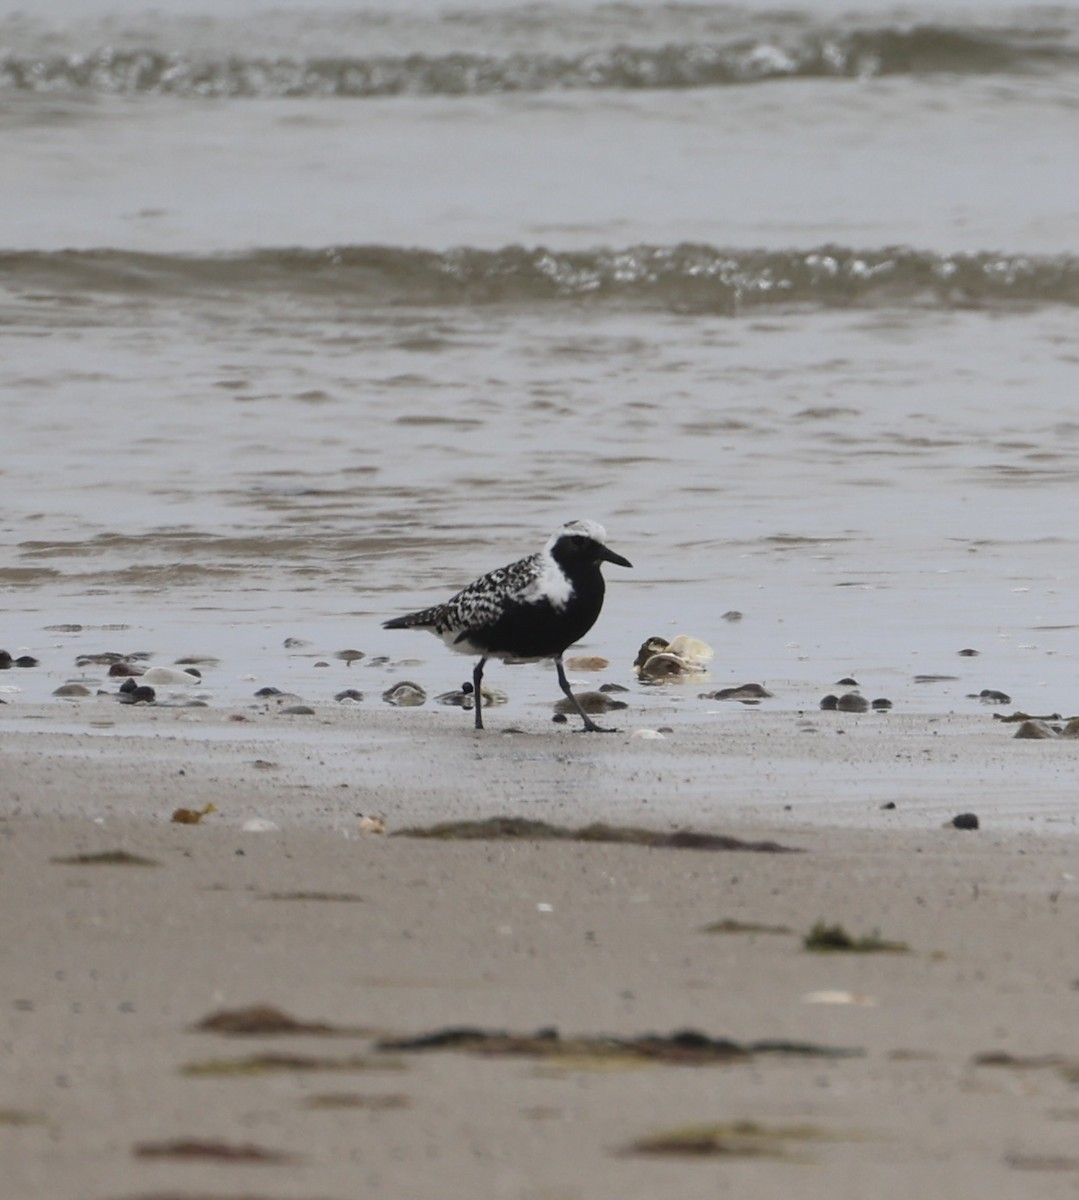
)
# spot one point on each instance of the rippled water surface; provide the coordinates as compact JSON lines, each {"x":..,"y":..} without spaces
{"x":308,"y":318}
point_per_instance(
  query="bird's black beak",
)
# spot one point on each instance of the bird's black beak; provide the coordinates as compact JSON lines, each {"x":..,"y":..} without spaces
{"x":610,"y":556}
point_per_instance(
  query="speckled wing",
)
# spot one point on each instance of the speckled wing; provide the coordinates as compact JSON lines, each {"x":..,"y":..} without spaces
{"x":477,"y":605}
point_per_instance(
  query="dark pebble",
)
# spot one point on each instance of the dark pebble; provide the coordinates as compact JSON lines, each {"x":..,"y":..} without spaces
{"x":744,"y":691}
{"x":612,"y":687}
{"x":349,"y":694}
{"x":935,"y":678}
{"x":830,"y":703}
{"x":25,"y":660}
{"x":268,"y":691}
{"x":847,"y":682}
{"x":881,"y":704}
{"x":852,"y":702}
{"x":5,"y":660}
{"x":126,"y":668}
{"x":889,"y":806}
{"x":968,"y":653}
{"x":138,"y":695}
{"x":965,"y":821}
{"x":990,"y":696}
{"x":559,"y":718}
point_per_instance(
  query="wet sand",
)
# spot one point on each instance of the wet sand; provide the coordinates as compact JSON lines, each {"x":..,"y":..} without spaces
{"x":108,"y":967}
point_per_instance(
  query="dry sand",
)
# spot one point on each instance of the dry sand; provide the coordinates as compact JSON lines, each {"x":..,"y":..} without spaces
{"x":106,"y":968}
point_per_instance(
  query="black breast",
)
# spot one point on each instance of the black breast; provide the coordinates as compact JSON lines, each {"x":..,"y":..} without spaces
{"x":540,"y":630}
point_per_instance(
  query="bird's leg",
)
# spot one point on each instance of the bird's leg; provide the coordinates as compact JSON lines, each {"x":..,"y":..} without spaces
{"x":589,"y":725}
{"x":477,"y":694}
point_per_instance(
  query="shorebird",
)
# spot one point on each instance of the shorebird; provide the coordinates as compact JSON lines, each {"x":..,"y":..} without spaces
{"x":529,"y":611}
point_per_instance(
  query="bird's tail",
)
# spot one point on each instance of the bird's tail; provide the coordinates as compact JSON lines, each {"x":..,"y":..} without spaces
{"x":416,"y":620}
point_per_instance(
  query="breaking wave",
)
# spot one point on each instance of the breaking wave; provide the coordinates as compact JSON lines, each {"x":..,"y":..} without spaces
{"x":681,"y":278}
{"x":785,"y":54}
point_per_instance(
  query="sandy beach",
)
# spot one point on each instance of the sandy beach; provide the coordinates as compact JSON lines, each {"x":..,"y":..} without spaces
{"x":109,"y":966}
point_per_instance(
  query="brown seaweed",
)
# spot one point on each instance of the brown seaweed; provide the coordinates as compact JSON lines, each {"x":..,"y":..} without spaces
{"x":522,"y":829}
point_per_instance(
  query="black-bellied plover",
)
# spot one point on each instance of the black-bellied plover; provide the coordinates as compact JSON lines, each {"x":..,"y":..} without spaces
{"x":531,"y":610}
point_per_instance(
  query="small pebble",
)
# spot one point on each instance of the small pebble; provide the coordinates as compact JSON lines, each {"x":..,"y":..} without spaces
{"x":5,"y":660}
{"x":263,"y":692}
{"x":349,"y":694}
{"x":889,"y":805}
{"x":72,"y":689}
{"x":587,"y":662}
{"x":744,"y":692}
{"x":26,"y":660}
{"x":852,"y":702}
{"x":295,"y":643}
{"x":968,"y":653}
{"x":847,"y":682}
{"x":591,"y":702}
{"x":126,"y":668}
{"x":880,"y":704}
{"x":990,"y":696}
{"x":613,"y":687}
{"x":830,"y":703}
{"x":965,"y":821}
{"x":732,"y":614}
{"x":141,"y":694}
{"x":298,"y":710}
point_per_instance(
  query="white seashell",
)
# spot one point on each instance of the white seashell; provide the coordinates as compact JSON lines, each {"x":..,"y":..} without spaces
{"x":168,"y":677}
{"x":259,"y":825}
{"x":692,"y":650}
{"x":649,"y":735}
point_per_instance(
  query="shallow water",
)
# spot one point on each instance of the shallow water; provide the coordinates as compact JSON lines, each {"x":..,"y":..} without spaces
{"x":255,"y":411}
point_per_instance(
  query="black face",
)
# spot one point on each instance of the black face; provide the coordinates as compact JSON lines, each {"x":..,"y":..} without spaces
{"x":579,"y":548}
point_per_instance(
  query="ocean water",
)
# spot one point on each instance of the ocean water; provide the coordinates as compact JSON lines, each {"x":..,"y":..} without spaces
{"x":310,"y":313}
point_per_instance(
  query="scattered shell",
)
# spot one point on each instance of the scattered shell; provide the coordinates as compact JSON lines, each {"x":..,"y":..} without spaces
{"x":648,"y":735}
{"x":1034,"y":729}
{"x":462,"y":697}
{"x":107,"y":658}
{"x":405,"y":695}
{"x":171,"y":677}
{"x":373,"y":824}
{"x":837,"y":997}
{"x":662,"y":666}
{"x":259,"y":825}
{"x":659,"y":659}
{"x":591,"y":702}
{"x":650,"y":646}
{"x":587,"y":662}
{"x":72,"y":690}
